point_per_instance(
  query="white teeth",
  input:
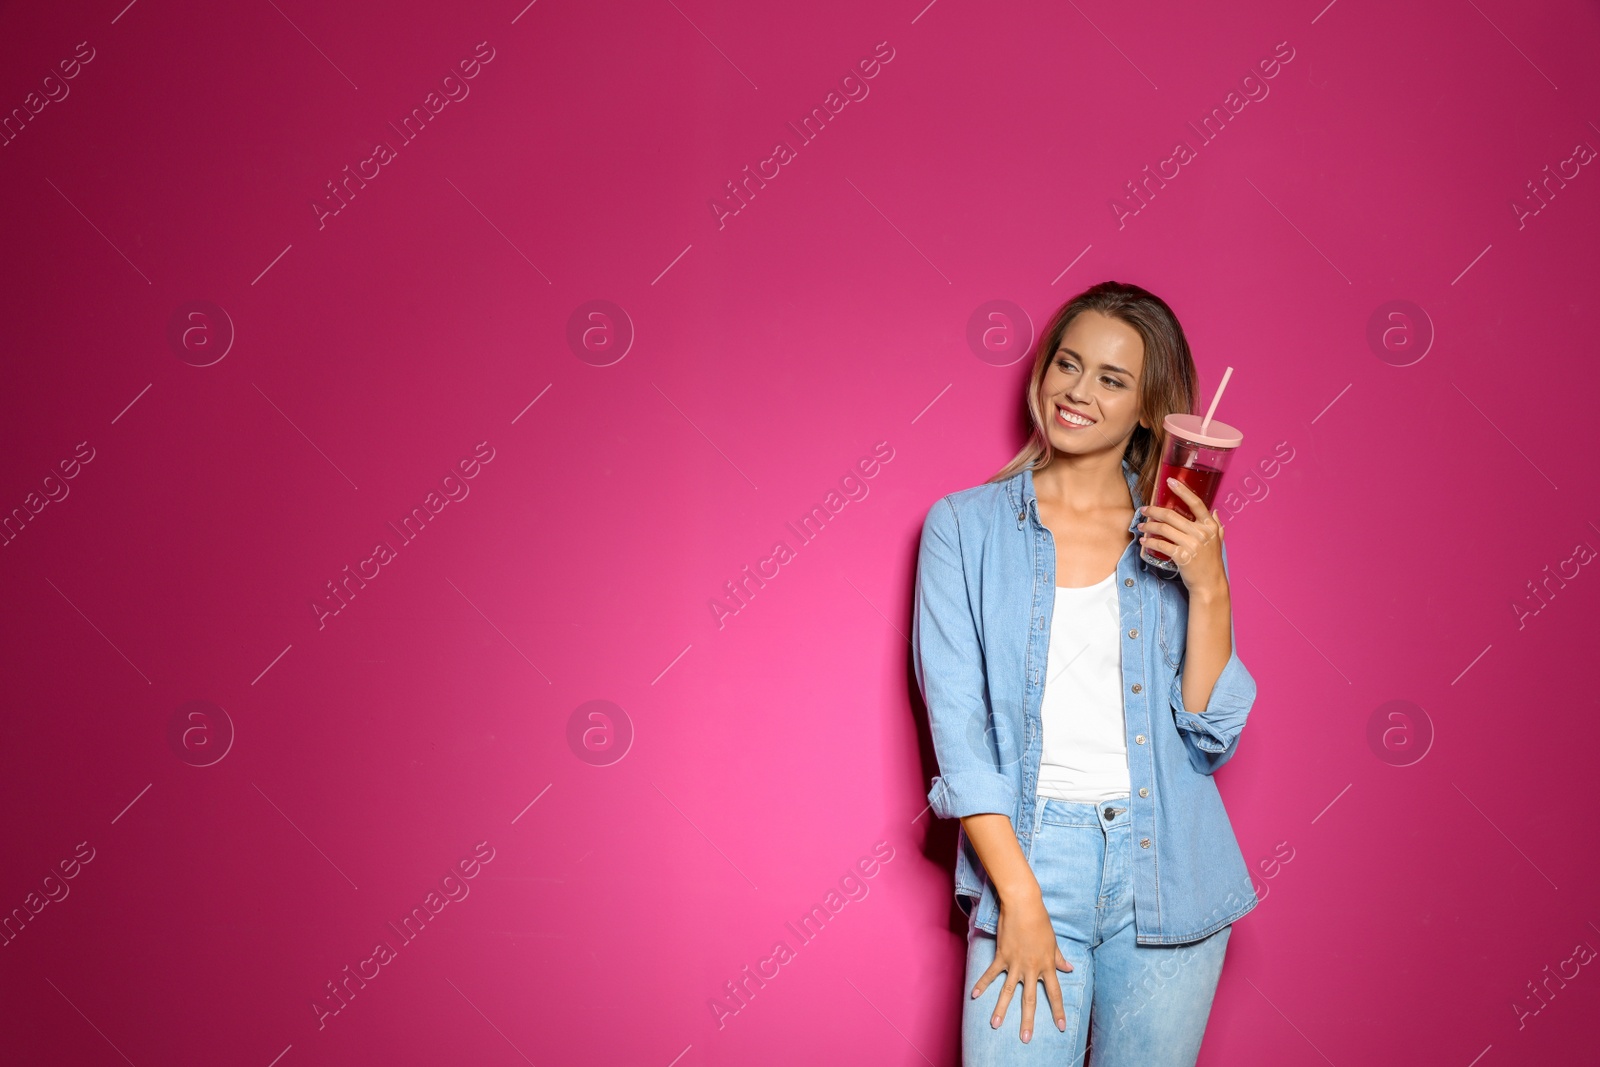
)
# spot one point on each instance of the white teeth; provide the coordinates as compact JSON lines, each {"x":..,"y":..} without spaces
{"x":1074,"y":419}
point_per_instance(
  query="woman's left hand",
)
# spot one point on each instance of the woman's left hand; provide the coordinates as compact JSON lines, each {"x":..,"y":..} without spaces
{"x":1195,"y":545}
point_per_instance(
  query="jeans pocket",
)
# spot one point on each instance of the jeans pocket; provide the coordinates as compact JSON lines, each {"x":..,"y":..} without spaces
{"x":1069,"y":862}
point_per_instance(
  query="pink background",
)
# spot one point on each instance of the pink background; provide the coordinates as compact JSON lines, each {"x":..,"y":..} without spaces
{"x":747,"y":765}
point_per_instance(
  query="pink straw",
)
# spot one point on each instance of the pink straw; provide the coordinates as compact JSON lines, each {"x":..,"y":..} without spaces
{"x":1210,"y":410}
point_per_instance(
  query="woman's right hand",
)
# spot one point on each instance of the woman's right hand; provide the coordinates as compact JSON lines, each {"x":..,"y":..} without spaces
{"x":1026,"y":950}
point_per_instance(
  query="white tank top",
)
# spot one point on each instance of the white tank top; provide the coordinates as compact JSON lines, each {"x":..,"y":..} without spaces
{"x":1085,"y":755}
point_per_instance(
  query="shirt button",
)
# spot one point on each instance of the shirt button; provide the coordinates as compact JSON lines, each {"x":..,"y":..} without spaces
{"x":1139,"y":740}
{"x":1133,"y":633}
{"x":1143,"y":791}
{"x":1022,"y":515}
{"x":1127,"y":581}
{"x":1144,"y":842}
{"x":1137,"y":687}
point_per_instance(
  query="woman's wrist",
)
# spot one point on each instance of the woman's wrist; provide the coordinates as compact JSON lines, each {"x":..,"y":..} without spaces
{"x":1018,"y":892}
{"x":1214,"y":593}
{"x":1003,"y":859}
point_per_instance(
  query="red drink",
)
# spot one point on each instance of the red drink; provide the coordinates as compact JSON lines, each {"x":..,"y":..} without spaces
{"x":1202,"y":480}
{"x":1197,"y":458}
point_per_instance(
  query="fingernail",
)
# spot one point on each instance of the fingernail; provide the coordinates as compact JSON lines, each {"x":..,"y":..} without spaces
{"x":1026,"y":1034}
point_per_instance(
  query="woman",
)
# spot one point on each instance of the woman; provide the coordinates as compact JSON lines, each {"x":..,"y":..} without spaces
{"x":1080,"y":701}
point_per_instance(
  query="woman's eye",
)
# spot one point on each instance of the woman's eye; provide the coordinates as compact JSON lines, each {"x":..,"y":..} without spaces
{"x":1069,"y":366}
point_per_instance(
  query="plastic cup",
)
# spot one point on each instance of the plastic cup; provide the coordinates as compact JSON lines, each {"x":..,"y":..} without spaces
{"x":1196,"y":459}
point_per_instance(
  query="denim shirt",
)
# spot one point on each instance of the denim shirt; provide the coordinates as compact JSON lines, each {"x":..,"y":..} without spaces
{"x":980,"y":637}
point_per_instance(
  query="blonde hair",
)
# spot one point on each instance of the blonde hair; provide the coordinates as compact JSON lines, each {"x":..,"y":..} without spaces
{"x":1166,"y":384}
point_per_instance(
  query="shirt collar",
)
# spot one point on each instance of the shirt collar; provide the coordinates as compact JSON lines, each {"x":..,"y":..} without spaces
{"x":1027,"y":501}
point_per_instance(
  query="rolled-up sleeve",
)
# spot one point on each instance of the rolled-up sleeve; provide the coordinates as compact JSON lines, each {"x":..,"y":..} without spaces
{"x":949,"y":660}
{"x":1213,"y":734}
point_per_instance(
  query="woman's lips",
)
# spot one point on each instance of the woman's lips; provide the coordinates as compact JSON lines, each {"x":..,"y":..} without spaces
{"x":1061,"y":420}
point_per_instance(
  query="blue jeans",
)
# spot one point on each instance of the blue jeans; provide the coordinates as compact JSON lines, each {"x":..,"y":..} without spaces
{"x":1149,"y":1002}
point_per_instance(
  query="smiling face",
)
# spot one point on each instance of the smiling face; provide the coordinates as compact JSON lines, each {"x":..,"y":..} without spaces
{"x":1090,"y":393}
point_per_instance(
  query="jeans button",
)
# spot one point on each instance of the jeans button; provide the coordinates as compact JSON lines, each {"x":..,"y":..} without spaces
{"x":1138,"y":739}
{"x":1143,"y":791}
{"x":1109,"y":813}
{"x":1133,"y":633}
{"x":1144,"y":842}
{"x":1137,"y":688}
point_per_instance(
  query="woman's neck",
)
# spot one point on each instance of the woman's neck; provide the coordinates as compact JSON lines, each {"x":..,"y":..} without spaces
{"x":1083,"y":483}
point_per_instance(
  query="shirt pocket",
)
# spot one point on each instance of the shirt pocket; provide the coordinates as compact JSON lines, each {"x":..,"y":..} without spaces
{"x":1174,"y":618}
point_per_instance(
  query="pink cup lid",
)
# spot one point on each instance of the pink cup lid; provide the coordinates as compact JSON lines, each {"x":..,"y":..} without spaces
{"x":1217,"y":435}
